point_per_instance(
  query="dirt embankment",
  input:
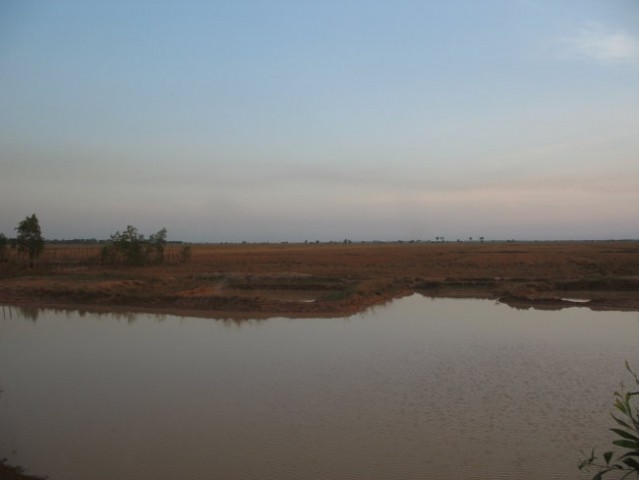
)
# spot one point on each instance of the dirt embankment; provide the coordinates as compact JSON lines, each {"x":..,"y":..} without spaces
{"x":305,"y":280}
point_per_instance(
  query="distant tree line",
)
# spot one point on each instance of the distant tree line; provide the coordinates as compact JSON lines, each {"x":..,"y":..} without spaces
{"x":128,"y":247}
{"x":93,"y":241}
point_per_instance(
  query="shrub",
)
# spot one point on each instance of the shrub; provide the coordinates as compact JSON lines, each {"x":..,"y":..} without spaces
{"x":624,"y":464}
{"x":131,"y":248}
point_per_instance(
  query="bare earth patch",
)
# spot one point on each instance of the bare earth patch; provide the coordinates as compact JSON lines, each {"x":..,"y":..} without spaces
{"x":305,"y":280}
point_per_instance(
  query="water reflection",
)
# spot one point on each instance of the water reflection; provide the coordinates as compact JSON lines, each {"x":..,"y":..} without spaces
{"x":33,"y":313}
{"x":24,"y":312}
{"x":421,"y":388}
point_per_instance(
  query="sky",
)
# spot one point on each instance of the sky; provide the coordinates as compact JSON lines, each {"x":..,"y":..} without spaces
{"x":293,"y":120}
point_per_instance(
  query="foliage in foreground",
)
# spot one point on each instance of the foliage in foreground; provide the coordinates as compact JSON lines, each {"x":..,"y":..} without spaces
{"x":624,"y":464}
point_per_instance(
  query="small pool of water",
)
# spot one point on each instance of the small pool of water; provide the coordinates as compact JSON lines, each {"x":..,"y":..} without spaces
{"x":418,"y":389}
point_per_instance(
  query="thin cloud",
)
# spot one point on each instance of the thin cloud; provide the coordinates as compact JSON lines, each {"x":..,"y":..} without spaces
{"x":596,"y":43}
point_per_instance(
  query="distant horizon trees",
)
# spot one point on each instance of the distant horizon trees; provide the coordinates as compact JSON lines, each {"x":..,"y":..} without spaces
{"x":127,"y":247}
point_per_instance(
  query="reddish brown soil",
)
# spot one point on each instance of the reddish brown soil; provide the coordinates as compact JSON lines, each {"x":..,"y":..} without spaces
{"x":297,"y":280}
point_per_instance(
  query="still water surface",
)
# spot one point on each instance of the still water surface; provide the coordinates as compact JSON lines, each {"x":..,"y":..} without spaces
{"x":419,"y":389}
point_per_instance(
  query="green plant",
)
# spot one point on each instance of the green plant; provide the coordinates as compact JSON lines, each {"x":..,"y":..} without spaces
{"x":185,"y":254}
{"x":155,"y":246}
{"x":29,"y":238}
{"x":131,"y":248}
{"x":3,"y":246}
{"x":625,"y":463}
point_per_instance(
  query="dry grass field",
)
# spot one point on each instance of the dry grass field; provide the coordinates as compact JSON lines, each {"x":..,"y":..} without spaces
{"x":250,"y":280}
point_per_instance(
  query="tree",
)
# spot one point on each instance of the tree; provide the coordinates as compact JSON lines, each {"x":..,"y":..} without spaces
{"x":29,"y":238}
{"x":155,"y":246}
{"x":185,"y":255}
{"x":131,"y":248}
{"x":626,"y":464}
{"x":3,"y":246}
{"x":128,"y":246}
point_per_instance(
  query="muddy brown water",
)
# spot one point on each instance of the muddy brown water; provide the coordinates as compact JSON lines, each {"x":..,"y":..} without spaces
{"x":418,"y":389}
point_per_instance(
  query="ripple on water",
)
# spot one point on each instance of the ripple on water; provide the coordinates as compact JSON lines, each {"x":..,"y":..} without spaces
{"x":419,"y":389}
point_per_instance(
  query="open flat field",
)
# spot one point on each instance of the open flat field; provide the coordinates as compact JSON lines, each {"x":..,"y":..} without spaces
{"x":250,"y":280}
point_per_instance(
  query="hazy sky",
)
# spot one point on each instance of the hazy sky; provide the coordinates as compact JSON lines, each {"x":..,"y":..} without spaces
{"x":292,"y":119}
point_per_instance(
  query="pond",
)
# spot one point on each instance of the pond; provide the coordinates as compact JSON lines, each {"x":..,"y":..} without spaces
{"x":420,"y":388}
